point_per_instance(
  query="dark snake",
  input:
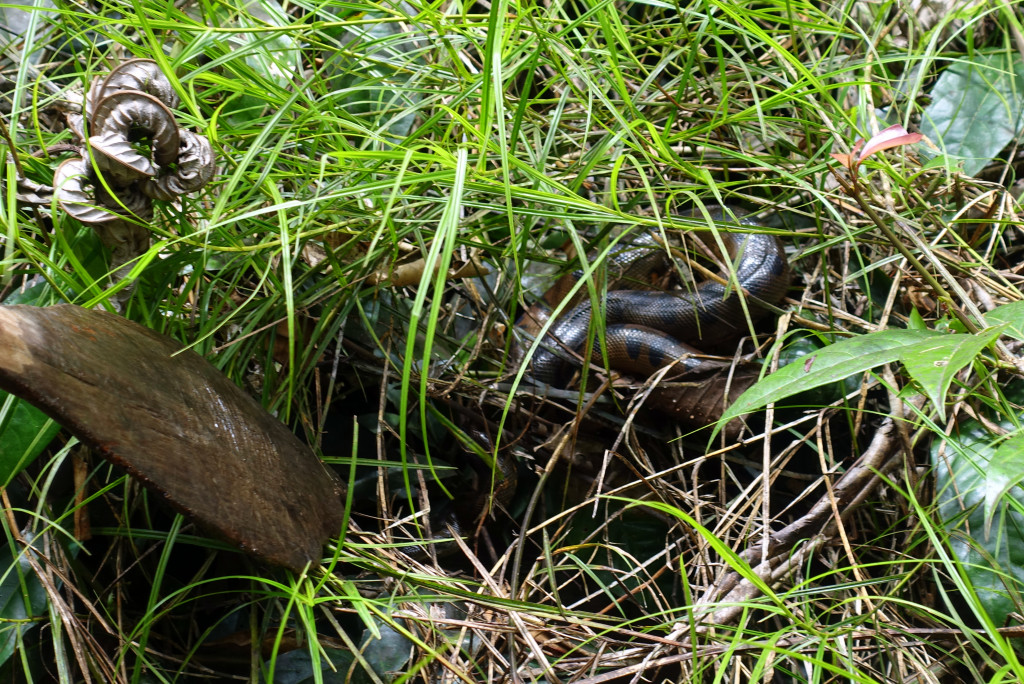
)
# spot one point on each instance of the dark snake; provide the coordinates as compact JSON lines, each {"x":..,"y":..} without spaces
{"x":648,"y":330}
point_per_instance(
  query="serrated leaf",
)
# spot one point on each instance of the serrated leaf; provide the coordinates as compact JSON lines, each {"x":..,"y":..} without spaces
{"x":934,"y":364}
{"x":833,"y":363}
{"x":976,"y":108}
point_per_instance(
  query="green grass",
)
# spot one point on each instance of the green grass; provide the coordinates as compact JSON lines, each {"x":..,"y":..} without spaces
{"x":353,"y":138}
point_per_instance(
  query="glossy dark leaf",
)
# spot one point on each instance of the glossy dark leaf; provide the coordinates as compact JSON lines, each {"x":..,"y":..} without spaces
{"x":22,"y":598}
{"x":389,"y":652}
{"x":296,"y":667}
{"x":177,"y":424}
{"x":24,"y":433}
{"x":979,"y":498}
{"x":976,"y":108}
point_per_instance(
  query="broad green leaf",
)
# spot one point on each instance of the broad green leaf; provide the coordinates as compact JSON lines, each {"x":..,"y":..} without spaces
{"x":1012,"y":315}
{"x":797,"y":348}
{"x":976,"y":108}
{"x":931,"y":358}
{"x":35,"y":294}
{"x":832,"y":364}
{"x":387,"y":653}
{"x":273,"y":55}
{"x":278,"y":54}
{"x":980,"y":506}
{"x":383,"y":86}
{"x":24,"y":433}
{"x":915,"y":321}
{"x":22,"y":598}
{"x":1005,"y":471}
{"x":296,"y":667}
{"x":934,"y":363}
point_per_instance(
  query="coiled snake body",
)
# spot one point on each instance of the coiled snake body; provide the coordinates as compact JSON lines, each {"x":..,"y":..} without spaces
{"x":647,"y":330}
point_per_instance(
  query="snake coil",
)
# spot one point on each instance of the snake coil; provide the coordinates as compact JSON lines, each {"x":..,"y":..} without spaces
{"x":648,"y":330}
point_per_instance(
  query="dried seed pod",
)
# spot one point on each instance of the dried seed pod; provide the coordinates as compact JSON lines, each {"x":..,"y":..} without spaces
{"x":70,"y":181}
{"x":120,"y":115}
{"x":118,"y":160}
{"x":92,"y":98}
{"x":129,"y":202}
{"x":143,"y":75}
{"x":34,"y":194}
{"x":126,"y":241}
{"x":195,"y":168}
{"x":76,"y":122}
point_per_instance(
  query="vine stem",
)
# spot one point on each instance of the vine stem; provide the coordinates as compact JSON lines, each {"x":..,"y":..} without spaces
{"x":853,"y":190}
